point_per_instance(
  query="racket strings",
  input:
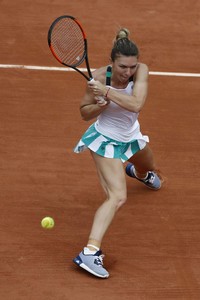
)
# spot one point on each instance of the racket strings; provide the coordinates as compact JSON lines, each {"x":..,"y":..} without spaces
{"x":67,"y":42}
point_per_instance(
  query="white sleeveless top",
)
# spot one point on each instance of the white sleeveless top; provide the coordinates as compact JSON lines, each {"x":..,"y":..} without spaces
{"x":118,"y":123}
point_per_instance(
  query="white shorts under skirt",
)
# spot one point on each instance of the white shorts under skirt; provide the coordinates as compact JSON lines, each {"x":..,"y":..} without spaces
{"x":107,"y":147}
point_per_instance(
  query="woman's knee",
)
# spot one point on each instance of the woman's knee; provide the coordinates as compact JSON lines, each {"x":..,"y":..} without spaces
{"x":119,"y":200}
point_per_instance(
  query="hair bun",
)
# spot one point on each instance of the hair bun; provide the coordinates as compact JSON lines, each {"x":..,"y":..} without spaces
{"x":122,"y":45}
{"x":122,"y":33}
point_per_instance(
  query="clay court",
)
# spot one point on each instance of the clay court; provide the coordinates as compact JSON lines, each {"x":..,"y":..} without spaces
{"x":153,"y":246}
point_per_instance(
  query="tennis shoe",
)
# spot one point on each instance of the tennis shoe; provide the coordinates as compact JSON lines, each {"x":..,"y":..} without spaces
{"x":152,"y":180}
{"x":93,"y":263}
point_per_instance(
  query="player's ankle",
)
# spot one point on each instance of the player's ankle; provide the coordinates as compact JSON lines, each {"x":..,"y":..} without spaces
{"x":141,"y":176}
{"x":92,"y":247}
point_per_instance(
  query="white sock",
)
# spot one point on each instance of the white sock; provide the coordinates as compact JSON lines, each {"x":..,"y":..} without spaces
{"x":134,"y":171}
{"x":93,"y":246}
{"x":87,"y":251}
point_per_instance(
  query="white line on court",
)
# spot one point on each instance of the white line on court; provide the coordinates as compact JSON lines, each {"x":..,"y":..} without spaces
{"x":64,"y":69}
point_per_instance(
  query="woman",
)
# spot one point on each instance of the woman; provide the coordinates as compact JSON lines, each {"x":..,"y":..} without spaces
{"x":115,"y":97}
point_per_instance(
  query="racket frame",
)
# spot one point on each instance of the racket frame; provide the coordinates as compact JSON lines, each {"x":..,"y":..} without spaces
{"x":84,"y":57}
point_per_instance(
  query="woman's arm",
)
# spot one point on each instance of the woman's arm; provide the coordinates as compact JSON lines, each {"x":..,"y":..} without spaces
{"x":134,"y":102}
{"x":90,"y":107}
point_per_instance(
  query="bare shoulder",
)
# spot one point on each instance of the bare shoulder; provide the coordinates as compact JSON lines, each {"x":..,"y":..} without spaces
{"x":143,"y":68}
{"x":100,"y":74}
{"x":142,"y":72}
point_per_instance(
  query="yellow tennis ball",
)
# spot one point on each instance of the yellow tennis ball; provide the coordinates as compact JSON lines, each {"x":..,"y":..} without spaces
{"x":47,"y":223}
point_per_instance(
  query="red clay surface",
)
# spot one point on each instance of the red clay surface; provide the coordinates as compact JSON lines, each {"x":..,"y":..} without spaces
{"x":153,"y":246}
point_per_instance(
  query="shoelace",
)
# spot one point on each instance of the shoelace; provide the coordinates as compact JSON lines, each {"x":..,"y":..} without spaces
{"x":150,"y":178}
{"x":99,"y":260}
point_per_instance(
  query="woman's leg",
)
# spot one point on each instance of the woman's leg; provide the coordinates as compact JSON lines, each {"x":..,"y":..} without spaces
{"x":142,"y":167}
{"x":143,"y":162}
{"x":113,"y":181}
{"x":112,"y":178}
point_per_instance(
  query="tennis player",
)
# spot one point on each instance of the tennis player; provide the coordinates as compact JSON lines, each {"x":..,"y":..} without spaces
{"x":115,"y":138}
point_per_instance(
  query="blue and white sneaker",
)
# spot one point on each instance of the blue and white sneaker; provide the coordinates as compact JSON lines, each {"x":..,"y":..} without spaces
{"x":93,"y":263}
{"x":152,"y":180}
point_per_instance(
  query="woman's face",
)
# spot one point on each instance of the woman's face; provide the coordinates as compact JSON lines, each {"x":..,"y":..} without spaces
{"x":124,"y":67}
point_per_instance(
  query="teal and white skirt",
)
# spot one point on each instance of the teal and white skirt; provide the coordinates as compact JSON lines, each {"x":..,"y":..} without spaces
{"x":107,"y":147}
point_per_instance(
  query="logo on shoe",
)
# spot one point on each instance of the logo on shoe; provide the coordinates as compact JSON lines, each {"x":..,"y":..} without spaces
{"x":98,"y":262}
{"x":151,"y":179}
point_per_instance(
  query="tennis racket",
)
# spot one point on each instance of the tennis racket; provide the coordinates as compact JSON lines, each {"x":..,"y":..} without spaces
{"x":68,"y":44}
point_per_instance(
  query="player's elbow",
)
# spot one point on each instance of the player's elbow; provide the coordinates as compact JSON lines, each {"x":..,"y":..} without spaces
{"x":83,"y":113}
{"x":138,"y":105}
{"x":138,"y":108}
{"x":135,"y":108}
{"x":85,"y":116}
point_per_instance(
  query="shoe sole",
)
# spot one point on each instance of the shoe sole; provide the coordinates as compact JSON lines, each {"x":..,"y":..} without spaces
{"x":153,"y":189}
{"x":86,"y":268}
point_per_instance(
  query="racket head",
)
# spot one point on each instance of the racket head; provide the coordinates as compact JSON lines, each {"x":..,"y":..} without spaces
{"x":67,"y":41}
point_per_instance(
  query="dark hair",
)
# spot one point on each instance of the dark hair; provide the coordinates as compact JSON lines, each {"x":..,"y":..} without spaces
{"x":123,"y":46}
